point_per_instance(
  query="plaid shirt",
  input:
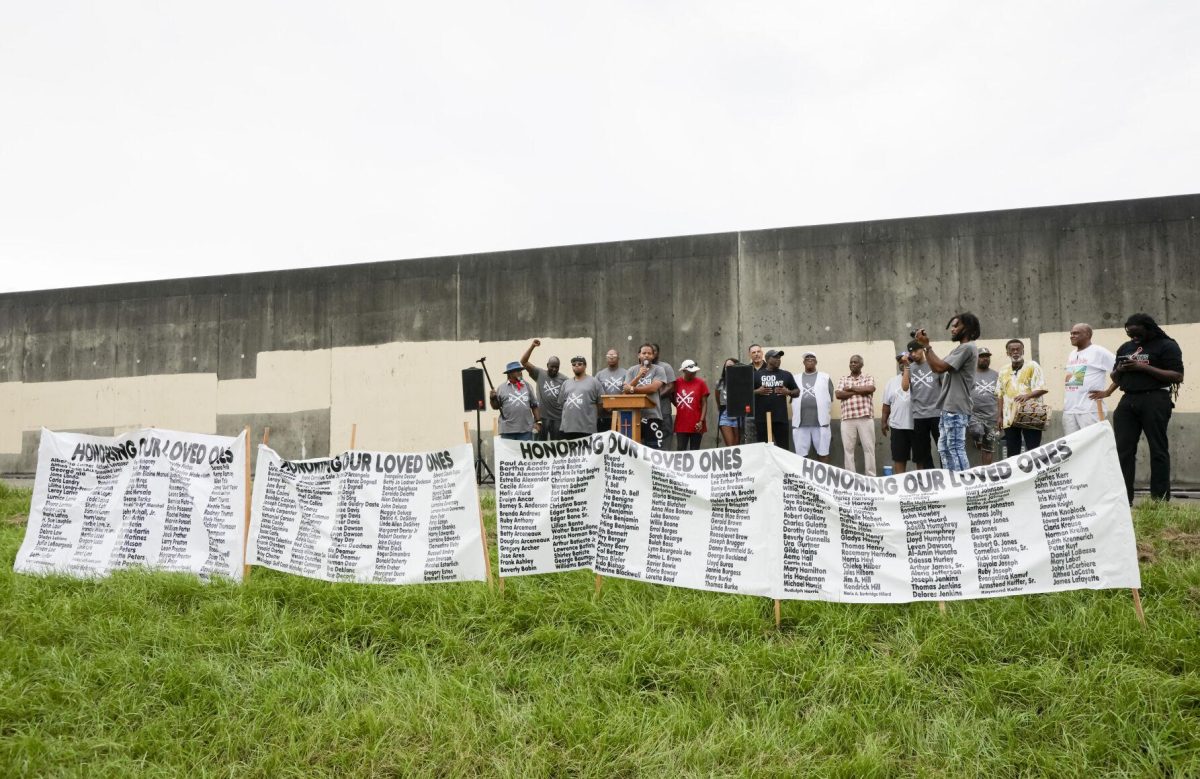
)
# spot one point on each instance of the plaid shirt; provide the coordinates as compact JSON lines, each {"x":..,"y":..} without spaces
{"x":857,"y":406}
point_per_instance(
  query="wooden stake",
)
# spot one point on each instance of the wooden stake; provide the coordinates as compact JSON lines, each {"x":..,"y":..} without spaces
{"x":942,"y":606}
{"x":616,"y":428}
{"x":1137,"y":607}
{"x":246,"y":530}
{"x":771,"y":440}
{"x":778,"y":615}
{"x":483,"y":536}
{"x":353,"y":434}
{"x":266,"y":436}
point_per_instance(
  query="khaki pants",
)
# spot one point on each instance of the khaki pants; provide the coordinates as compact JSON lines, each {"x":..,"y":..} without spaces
{"x":855,"y":431}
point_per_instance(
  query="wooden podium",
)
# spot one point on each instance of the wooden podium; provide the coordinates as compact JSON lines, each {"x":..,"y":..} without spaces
{"x":627,"y":412}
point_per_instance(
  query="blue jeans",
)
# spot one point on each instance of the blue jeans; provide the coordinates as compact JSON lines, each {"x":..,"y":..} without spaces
{"x":952,"y":441}
{"x":517,"y":436}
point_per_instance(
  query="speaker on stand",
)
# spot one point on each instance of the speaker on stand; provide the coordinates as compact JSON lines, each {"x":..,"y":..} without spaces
{"x":739,"y":394}
{"x":474,"y":399}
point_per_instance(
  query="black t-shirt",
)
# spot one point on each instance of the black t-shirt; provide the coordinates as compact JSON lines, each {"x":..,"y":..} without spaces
{"x":1159,"y":352}
{"x":776,"y":404}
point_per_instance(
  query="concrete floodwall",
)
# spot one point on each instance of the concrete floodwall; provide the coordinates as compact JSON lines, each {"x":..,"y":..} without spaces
{"x":310,"y":352}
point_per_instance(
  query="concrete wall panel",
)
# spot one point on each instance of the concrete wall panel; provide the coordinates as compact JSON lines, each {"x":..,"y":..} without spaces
{"x":367,"y":342}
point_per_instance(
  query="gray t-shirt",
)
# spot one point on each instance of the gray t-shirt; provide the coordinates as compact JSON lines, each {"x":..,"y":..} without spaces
{"x":983,"y":393}
{"x":549,"y":391}
{"x":955,"y":397}
{"x":665,"y":406}
{"x":516,"y":408}
{"x":808,"y":400}
{"x":612,"y":380}
{"x":924,"y":387}
{"x":656,"y":373}
{"x":580,"y":397}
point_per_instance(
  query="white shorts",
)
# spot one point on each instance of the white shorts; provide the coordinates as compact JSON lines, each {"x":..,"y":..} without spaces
{"x":1073,"y":423}
{"x":808,"y":437}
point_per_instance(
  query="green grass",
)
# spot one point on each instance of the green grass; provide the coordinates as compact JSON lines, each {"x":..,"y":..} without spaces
{"x":160,"y":675}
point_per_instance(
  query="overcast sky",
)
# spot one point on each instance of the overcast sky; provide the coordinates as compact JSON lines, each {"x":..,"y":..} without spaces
{"x":159,"y":140}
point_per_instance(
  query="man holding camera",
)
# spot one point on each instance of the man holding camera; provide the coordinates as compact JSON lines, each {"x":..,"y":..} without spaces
{"x":954,"y":400}
{"x":925,"y":386}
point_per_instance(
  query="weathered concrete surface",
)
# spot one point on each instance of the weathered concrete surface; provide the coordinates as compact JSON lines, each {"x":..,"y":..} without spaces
{"x":1024,"y":272}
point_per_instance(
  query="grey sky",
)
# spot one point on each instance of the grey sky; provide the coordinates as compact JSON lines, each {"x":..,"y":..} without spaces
{"x":156,"y":140}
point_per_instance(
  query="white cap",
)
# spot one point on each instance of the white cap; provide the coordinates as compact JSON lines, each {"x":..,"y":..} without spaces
{"x":689,"y":366}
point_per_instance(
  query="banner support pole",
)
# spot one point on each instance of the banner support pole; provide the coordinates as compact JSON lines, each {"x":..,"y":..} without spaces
{"x":771,"y":440}
{"x":1137,"y":606}
{"x":353,"y":434}
{"x":483,"y":535}
{"x":616,"y":428}
{"x":246,"y":529}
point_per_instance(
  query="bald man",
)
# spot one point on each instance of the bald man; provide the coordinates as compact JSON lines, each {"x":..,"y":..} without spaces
{"x":1088,"y":367}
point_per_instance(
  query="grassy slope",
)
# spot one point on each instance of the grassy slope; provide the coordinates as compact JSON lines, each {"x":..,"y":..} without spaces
{"x":161,"y":675}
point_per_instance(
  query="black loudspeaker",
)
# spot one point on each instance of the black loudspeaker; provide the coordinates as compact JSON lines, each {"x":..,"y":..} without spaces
{"x":473,"y":395}
{"x":739,"y":387}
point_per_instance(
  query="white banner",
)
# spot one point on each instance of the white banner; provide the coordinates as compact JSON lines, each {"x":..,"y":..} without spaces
{"x":154,"y":498}
{"x":369,"y":517}
{"x":759,"y":520}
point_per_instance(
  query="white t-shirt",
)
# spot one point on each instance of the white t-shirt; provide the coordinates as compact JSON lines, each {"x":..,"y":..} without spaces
{"x":899,"y":402}
{"x":1087,"y":370}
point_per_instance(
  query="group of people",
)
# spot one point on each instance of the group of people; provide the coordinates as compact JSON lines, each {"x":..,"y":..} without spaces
{"x":930,"y":402}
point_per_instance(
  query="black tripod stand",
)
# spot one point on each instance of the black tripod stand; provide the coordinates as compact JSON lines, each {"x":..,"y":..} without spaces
{"x":483,"y":472}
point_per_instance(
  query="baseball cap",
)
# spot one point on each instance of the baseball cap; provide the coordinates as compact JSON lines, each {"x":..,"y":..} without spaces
{"x":806,"y":355}
{"x":985,"y":350}
{"x":774,"y":353}
{"x":689,"y":366}
{"x":579,"y":359}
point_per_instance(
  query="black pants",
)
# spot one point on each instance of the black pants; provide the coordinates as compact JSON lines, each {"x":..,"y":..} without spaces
{"x":550,"y":430}
{"x":603,"y":424}
{"x":653,"y":433}
{"x":924,"y":432}
{"x":1149,"y":413}
{"x":1013,"y":436}
{"x":685,"y":441}
{"x":573,"y":436}
{"x":668,"y":428}
{"x":781,"y":431}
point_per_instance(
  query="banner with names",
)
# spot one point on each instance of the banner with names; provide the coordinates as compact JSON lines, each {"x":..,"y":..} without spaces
{"x":759,"y":520}
{"x":159,"y":499}
{"x":691,"y":519}
{"x":368,"y":517}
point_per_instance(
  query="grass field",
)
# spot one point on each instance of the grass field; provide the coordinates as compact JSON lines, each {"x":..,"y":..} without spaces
{"x":160,"y":675}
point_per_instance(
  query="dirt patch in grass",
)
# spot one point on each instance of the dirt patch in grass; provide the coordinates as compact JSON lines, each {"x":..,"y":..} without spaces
{"x":1182,"y":544}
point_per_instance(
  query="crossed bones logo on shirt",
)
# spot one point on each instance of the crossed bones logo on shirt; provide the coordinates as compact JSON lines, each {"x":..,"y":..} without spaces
{"x":573,"y":401}
{"x":552,"y":390}
{"x":686,"y":398}
{"x":518,"y":398}
{"x":923,"y":379}
{"x":613,"y":385}
{"x":984,"y":387}
{"x":808,"y":392}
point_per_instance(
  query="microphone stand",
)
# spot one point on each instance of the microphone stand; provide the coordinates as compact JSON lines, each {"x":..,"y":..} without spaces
{"x":483,"y":472}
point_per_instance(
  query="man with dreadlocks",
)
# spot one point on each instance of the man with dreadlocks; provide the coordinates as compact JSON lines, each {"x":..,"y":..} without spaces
{"x":1149,"y":370}
{"x":954,"y":399}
